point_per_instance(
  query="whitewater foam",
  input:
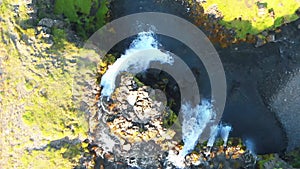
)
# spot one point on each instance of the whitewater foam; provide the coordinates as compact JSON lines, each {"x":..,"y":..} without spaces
{"x":143,"y":50}
{"x":194,"y":122}
{"x":224,"y":132}
{"x":220,"y":130}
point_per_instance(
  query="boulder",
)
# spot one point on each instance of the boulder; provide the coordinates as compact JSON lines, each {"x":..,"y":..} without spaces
{"x":46,"y":22}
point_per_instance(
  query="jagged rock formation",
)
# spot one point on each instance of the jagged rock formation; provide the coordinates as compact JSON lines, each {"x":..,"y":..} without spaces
{"x":133,"y":117}
{"x":143,"y":106}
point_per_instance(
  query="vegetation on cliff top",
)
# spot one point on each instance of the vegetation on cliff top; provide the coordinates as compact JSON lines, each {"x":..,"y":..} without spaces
{"x":254,"y":16}
{"x":38,"y":66}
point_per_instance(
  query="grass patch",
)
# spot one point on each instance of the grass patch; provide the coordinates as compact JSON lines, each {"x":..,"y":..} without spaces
{"x":37,"y":85}
{"x":249,"y":16}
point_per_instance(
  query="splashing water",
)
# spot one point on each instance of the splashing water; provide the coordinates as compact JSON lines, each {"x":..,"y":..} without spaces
{"x":220,"y":130}
{"x":214,"y":132}
{"x":190,"y":139}
{"x":176,"y":160}
{"x":194,"y":122}
{"x":225,"y":130}
{"x":142,"y":51}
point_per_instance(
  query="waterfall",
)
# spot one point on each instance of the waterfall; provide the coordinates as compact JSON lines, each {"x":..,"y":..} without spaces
{"x":142,"y":51}
{"x":194,"y":122}
{"x":214,"y":131}
{"x":195,"y":119}
{"x":219,"y":130}
{"x":225,"y":130}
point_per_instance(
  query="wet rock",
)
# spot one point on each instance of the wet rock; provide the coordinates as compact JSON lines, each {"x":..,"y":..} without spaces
{"x":264,"y":33}
{"x":16,"y":9}
{"x":260,"y":42}
{"x":271,"y":38}
{"x":46,"y":22}
{"x":109,"y":157}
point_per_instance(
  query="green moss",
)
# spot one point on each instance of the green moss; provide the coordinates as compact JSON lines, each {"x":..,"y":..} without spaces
{"x":169,"y":118}
{"x":29,"y":85}
{"x":28,"y":117}
{"x":138,"y":82}
{"x":87,"y":15}
{"x":59,"y":38}
{"x":109,"y":59}
{"x":4,"y":8}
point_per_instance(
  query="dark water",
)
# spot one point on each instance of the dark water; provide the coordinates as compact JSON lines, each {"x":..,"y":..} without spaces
{"x":253,"y":74}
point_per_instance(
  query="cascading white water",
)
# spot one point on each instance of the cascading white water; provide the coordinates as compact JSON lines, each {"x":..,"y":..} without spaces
{"x":142,"y":51}
{"x":225,"y":130}
{"x":194,"y":122}
{"x":195,"y":119}
{"x":214,"y":131}
{"x":220,"y":130}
